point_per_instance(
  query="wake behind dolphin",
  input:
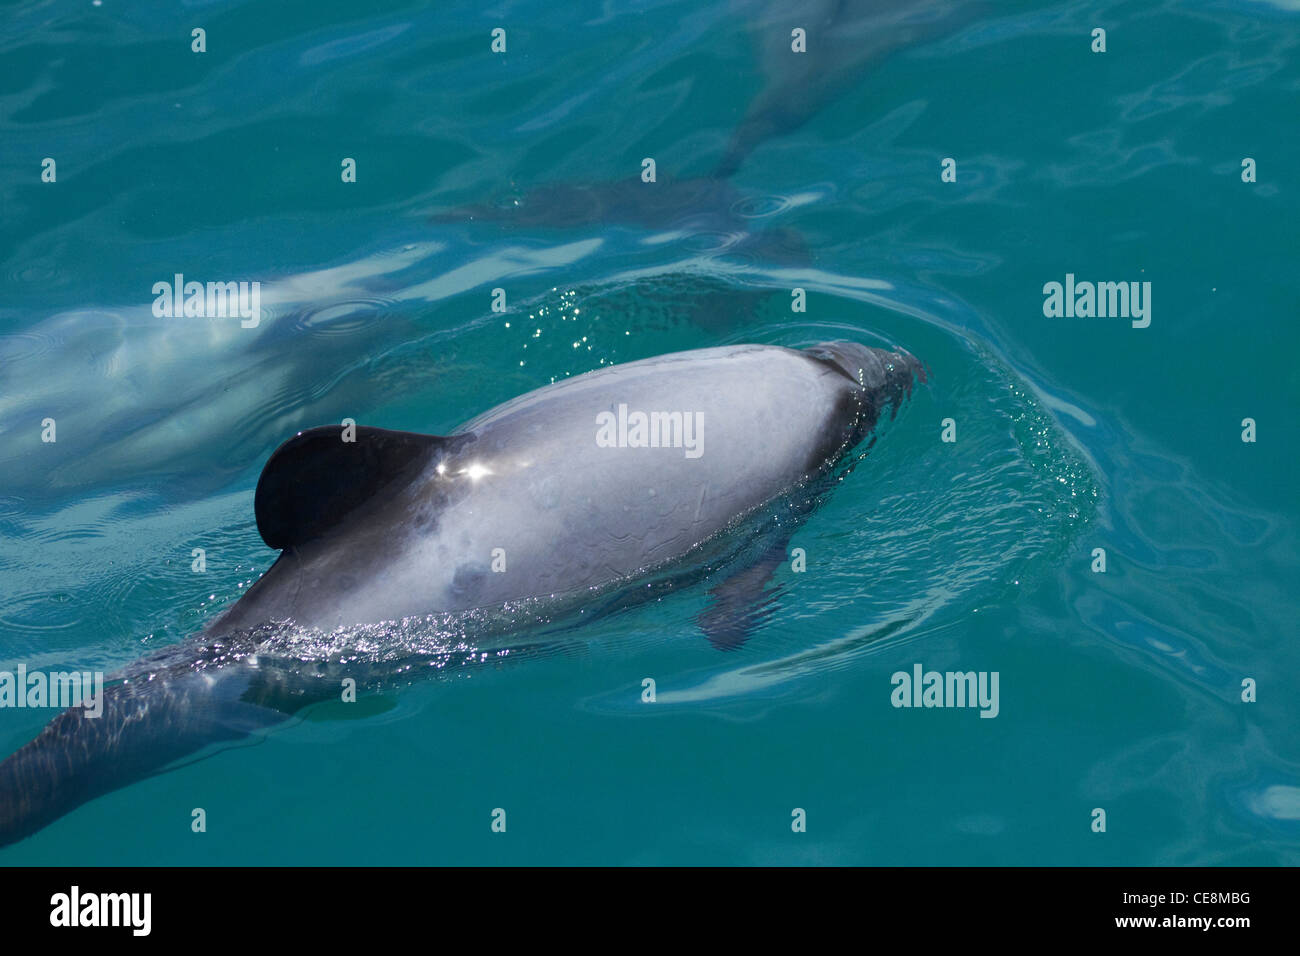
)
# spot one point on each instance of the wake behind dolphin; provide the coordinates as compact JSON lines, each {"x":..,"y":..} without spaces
{"x":554,"y":500}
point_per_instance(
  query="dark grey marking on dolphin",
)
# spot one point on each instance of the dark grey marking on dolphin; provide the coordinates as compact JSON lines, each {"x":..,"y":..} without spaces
{"x":400,"y":527}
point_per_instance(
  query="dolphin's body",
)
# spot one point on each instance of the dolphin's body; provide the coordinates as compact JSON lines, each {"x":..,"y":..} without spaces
{"x":701,"y":203}
{"x":845,"y":39}
{"x":703,"y":206}
{"x":548,"y":500}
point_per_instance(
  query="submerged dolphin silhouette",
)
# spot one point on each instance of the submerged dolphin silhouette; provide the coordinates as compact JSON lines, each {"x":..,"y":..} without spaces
{"x":563,"y":499}
{"x":845,"y":39}
{"x":704,"y":205}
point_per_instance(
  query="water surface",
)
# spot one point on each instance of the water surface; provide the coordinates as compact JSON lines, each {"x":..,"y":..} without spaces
{"x":1119,"y":691}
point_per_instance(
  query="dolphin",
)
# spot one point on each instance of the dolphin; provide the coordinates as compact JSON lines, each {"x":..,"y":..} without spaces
{"x":572,"y":498}
{"x":845,"y":40}
{"x":698,"y":206}
{"x":681,"y":203}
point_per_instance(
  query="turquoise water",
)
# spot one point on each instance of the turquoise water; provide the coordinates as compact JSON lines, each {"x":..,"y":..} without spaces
{"x":1119,"y":690}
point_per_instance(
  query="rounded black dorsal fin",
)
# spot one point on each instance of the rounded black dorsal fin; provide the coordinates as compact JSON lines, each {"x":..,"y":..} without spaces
{"x":316,"y":479}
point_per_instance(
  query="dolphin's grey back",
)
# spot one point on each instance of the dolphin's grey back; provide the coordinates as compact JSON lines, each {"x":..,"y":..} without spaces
{"x":397,"y":523}
{"x":523,"y":502}
{"x":611,"y":512}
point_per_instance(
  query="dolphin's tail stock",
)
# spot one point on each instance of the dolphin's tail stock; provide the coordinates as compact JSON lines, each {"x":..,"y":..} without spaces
{"x":146,"y":723}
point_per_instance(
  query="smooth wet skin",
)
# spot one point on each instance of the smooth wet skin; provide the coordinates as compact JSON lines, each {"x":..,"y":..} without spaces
{"x":529,"y":482}
{"x":524,"y":503}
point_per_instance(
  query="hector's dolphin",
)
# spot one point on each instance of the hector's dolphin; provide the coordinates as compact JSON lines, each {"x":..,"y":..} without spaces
{"x":558,"y":499}
{"x":846,"y":39}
